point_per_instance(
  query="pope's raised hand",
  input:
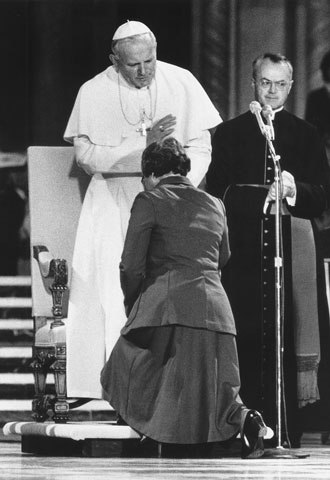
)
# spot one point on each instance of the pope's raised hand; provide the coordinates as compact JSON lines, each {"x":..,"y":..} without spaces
{"x":161,"y":129}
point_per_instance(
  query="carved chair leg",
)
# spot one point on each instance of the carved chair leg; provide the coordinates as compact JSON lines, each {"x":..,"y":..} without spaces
{"x":40,"y":366}
{"x":61,"y":405}
{"x":56,"y":269}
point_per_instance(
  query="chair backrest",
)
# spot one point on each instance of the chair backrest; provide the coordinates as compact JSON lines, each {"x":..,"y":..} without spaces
{"x":56,"y":190}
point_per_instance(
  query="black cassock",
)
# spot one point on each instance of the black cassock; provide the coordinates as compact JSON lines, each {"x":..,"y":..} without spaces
{"x":240,"y":171}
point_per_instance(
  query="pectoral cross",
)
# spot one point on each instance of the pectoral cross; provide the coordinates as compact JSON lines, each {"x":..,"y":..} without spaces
{"x":143,"y":129}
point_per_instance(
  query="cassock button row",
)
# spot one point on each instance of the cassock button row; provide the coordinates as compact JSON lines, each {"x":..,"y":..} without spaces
{"x":269,"y":168}
{"x":266,"y":244}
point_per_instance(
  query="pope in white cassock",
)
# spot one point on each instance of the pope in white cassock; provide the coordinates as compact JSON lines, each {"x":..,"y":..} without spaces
{"x":134,"y":102}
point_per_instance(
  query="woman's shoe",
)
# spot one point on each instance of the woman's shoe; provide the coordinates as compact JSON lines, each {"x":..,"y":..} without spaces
{"x":254,"y":429}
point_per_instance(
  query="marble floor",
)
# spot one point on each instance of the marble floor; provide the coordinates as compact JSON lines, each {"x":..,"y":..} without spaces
{"x":17,"y":466}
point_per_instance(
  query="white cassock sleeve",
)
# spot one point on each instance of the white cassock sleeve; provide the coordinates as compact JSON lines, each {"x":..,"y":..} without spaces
{"x":199,"y":151}
{"x":101,"y":159}
{"x":125,"y":157}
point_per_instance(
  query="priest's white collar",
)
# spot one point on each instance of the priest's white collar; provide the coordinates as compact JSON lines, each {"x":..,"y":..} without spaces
{"x":278,"y":110}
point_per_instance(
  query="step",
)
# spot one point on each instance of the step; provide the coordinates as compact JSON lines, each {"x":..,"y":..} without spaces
{"x":16,"y":324}
{"x":15,"y":302}
{"x":75,"y":438}
{"x":21,"y":410}
{"x":15,"y":352}
{"x":25,"y":405}
{"x":16,"y":281}
{"x":21,"y":379}
{"x":76,"y":431}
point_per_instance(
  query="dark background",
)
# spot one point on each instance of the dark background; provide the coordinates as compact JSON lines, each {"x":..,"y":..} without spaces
{"x":49,"y":48}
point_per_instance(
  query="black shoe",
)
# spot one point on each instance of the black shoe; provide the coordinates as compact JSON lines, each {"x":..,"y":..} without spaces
{"x":254,"y":429}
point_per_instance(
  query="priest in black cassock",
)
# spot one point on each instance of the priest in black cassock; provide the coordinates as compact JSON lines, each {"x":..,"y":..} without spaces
{"x":242,"y":174}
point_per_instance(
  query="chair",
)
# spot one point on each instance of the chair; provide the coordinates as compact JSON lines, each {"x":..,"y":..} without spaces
{"x":56,"y":191}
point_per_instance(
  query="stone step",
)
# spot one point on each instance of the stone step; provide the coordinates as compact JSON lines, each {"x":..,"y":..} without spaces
{"x":13,"y":351}
{"x":21,"y":385}
{"x":16,"y":324}
{"x":15,"y":302}
{"x":15,"y":281}
{"x":21,"y":410}
{"x":21,"y":379}
{"x":25,"y":405}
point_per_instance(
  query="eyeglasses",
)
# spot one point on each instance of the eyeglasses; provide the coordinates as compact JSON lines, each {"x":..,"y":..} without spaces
{"x":266,"y":84}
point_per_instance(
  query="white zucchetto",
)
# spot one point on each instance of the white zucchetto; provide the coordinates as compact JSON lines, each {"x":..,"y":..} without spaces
{"x":129,"y":29}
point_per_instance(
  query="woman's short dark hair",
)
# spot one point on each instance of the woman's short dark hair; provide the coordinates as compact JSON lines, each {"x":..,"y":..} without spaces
{"x":325,"y":67}
{"x":164,"y":157}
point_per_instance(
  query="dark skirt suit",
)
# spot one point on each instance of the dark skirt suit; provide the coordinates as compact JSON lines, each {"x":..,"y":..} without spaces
{"x":173,"y":374}
{"x":240,"y":173}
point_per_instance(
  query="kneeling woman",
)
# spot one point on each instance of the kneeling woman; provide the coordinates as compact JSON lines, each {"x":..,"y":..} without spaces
{"x":173,"y":375}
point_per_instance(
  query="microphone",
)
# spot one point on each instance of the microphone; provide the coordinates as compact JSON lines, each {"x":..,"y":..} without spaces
{"x":268,"y":114}
{"x":255,"y":108}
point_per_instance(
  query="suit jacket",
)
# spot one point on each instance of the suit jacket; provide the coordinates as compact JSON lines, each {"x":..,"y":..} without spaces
{"x":175,"y":245}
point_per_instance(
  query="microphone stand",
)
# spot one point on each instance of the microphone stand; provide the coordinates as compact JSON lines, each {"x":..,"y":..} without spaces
{"x":278,"y":263}
{"x":279,"y":451}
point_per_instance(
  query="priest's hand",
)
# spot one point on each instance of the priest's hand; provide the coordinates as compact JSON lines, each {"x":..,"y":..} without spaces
{"x":161,"y":129}
{"x":289,"y":190}
{"x":288,"y":187}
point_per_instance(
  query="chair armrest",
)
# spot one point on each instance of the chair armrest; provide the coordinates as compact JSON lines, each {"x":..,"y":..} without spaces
{"x":44,"y":258}
{"x":49,"y":266}
{"x":57,"y":270}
